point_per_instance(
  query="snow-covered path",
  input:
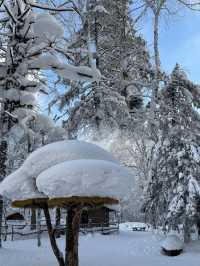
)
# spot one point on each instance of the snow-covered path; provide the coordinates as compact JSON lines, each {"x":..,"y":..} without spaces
{"x":123,"y":249}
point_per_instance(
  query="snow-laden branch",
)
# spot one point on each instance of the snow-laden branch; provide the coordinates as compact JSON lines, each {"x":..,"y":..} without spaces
{"x":67,"y":71}
{"x":46,"y":7}
{"x":10,"y":14}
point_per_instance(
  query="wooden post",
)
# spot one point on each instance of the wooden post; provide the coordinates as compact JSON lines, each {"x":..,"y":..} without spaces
{"x":12,"y":233}
{"x":38,"y":228}
{"x":52,"y":238}
{"x":73,"y":224}
{"x":33,"y":219}
{"x":1,"y":219}
{"x":58,"y":218}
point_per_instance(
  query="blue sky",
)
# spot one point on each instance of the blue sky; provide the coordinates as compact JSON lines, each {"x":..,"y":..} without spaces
{"x":179,"y":42}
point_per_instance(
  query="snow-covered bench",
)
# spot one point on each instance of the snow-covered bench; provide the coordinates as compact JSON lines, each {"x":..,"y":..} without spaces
{"x":139,"y":227}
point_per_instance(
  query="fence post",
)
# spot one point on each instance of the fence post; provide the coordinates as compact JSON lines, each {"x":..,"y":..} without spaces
{"x":1,"y":219}
{"x":6,"y":232}
{"x":12,"y":233}
{"x":38,"y":228}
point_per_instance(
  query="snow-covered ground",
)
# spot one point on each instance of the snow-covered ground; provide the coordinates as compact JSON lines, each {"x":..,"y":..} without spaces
{"x":127,"y":248}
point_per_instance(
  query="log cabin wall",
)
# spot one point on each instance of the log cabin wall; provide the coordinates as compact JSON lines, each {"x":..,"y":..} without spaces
{"x":95,"y":217}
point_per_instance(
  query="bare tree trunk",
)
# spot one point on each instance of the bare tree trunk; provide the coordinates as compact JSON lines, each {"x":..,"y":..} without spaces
{"x":52,"y":238}
{"x":73,"y":223}
{"x":156,"y":54}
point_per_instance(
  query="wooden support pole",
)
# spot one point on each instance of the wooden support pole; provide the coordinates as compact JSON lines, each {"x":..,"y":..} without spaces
{"x":73,"y":223}
{"x":52,"y":238}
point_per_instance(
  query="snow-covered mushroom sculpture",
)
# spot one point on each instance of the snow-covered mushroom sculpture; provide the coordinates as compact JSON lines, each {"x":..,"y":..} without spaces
{"x":22,"y":183}
{"x":73,"y":183}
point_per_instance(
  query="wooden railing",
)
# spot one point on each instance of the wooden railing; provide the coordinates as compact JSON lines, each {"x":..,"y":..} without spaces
{"x":24,"y":231}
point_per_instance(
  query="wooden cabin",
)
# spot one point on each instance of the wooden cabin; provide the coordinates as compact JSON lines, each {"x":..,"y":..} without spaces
{"x":16,"y":216}
{"x":98,"y":217}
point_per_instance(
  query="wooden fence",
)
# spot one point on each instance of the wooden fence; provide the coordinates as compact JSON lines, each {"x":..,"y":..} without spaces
{"x":15,"y":231}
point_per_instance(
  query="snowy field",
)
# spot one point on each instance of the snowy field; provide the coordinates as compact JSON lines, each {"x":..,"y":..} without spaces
{"x":127,"y":248}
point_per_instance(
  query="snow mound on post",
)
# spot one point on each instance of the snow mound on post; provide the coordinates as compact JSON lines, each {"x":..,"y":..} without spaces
{"x":172,"y":242}
{"x":90,"y":178}
{"x":60,"y":151}
{"x":19,"y":186}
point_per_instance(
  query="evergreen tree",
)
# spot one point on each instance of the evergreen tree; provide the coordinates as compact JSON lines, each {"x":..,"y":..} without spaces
{"x":173,"y":191}
{"x":123,"y":61}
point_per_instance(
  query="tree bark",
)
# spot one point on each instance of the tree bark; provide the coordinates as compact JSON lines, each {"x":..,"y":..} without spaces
{"x":73,"y":223}
{"x":52,"y":238}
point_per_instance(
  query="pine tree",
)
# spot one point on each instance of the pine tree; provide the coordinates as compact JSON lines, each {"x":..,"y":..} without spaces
{"x":121,"y":56}
{"x":173,"y":191}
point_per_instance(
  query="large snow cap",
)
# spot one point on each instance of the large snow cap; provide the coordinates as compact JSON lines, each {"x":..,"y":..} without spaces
{"x":18,"y":186}
{"x":86,"y":178}
{"x":60,"y":151}
{"x":22,"y":183}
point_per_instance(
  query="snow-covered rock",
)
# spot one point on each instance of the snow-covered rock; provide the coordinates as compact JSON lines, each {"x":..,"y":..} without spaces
{"x":172,"y":242}
{"x":86,"y":178}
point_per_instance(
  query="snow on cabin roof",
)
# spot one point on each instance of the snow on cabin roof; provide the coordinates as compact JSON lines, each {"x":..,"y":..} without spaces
{"x":58,"y":152}
{"x":86,"y":178}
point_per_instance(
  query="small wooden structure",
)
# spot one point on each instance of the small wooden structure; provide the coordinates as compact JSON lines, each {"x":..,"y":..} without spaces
{"x":16,"y":216}
{"x":96,"y":217}
{"x":74,"y":206}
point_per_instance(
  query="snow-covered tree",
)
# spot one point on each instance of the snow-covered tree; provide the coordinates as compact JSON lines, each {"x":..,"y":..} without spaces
{"x":173,"y":190}
{"x":121,"y":55}
{"x":29,"y":45}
